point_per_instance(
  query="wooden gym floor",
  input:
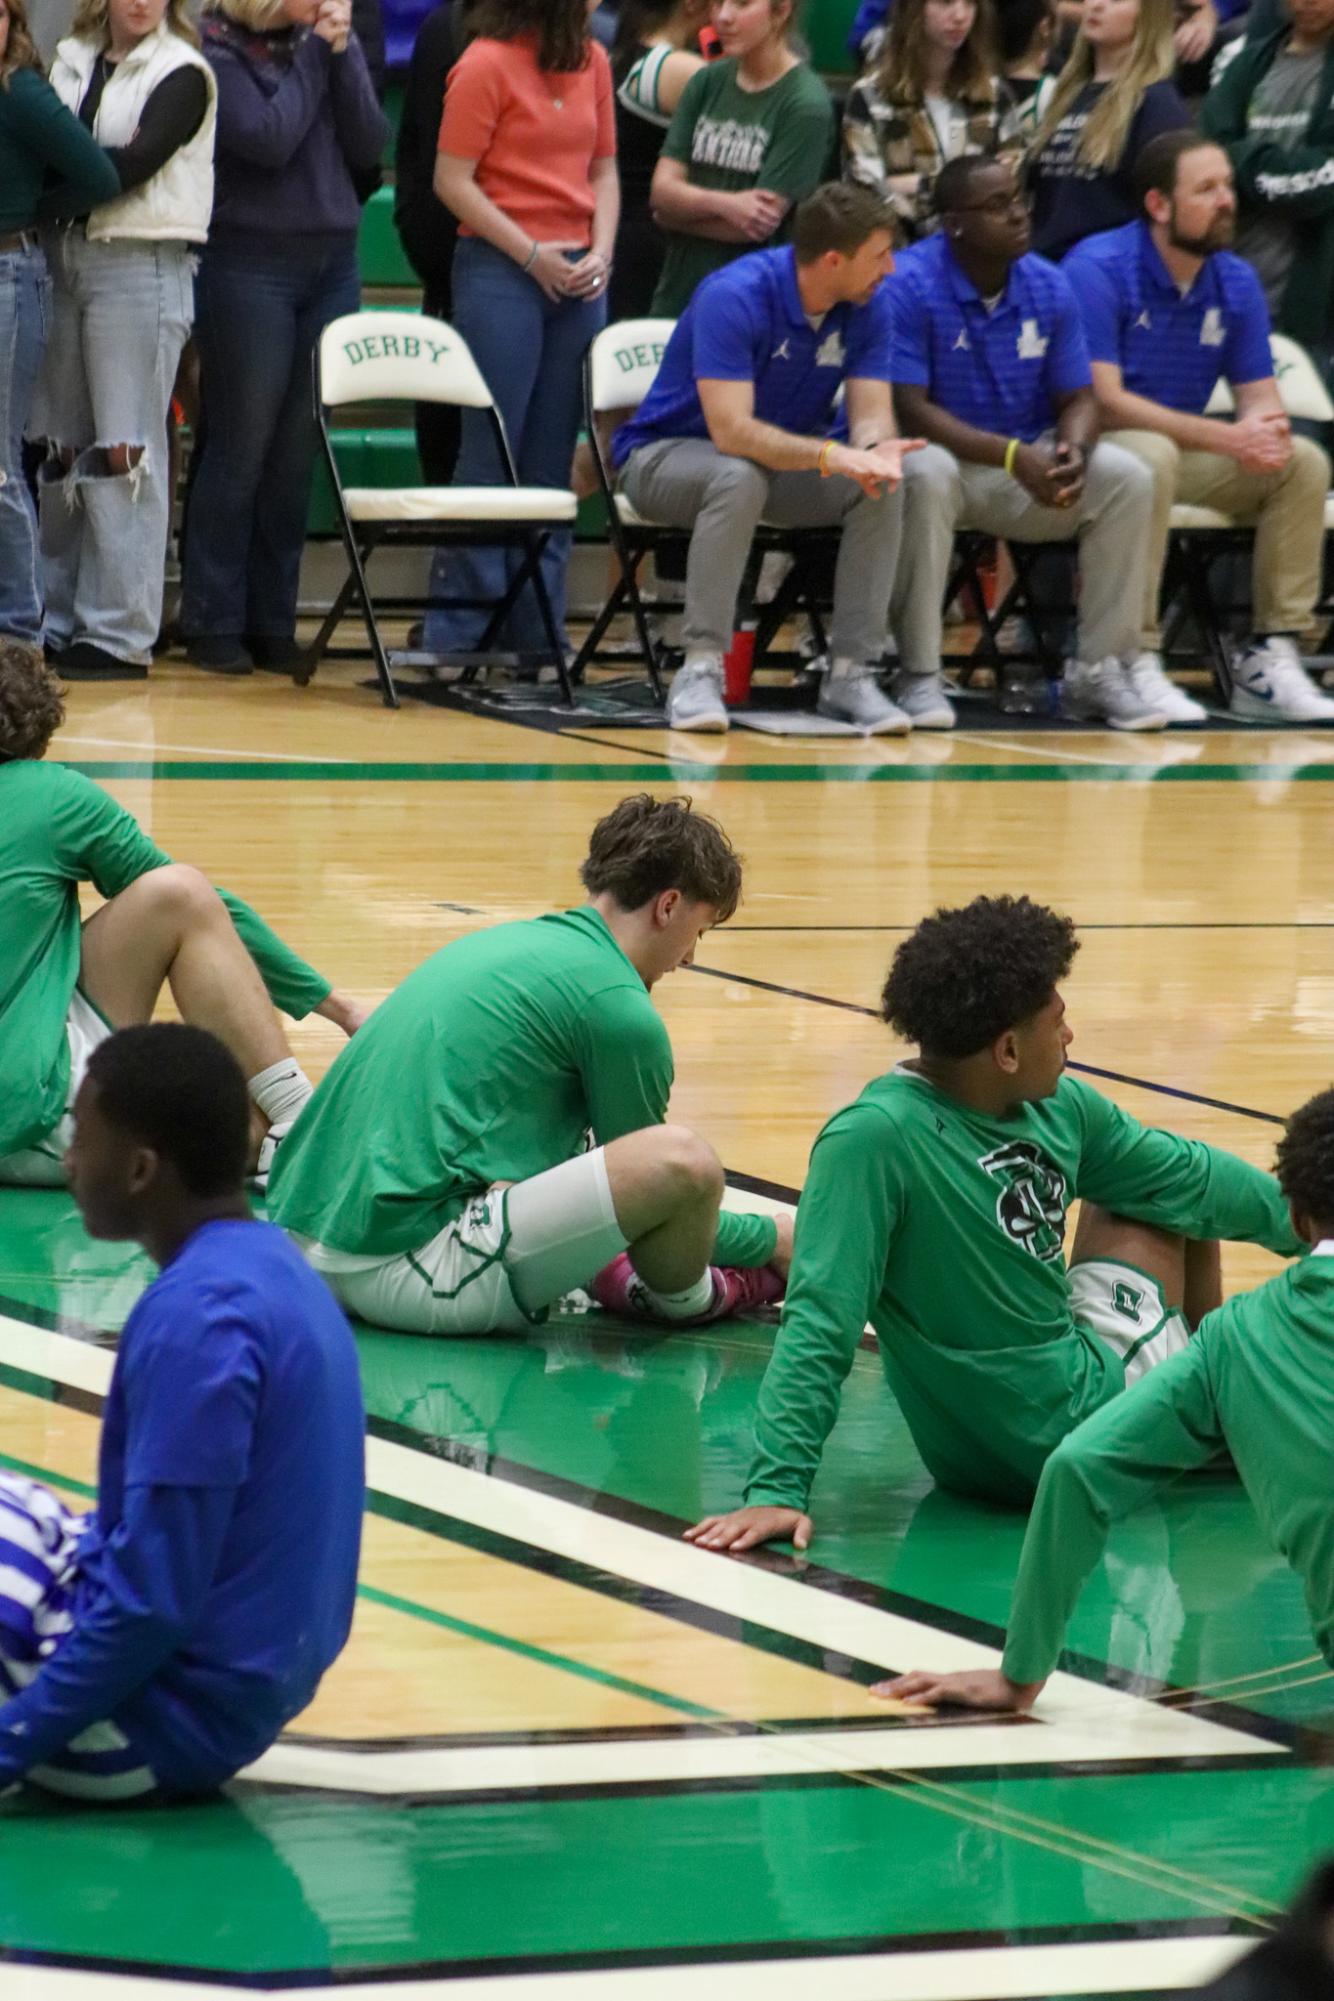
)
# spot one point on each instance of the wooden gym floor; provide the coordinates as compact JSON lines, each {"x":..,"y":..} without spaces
{"x":566,"y":1754}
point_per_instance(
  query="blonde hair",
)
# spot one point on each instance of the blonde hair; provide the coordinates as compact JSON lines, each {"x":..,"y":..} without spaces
{"x":20,"y":49}
{"x":1102,"y":143}
{"x":90,"y":21}
{"x":901,"y":77}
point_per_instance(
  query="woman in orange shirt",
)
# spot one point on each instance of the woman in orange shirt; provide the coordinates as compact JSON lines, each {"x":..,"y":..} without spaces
{"x":527,"y":163}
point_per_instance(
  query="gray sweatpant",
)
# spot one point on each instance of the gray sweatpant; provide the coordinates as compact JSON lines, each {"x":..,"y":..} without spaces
{"x":689,"y":483}
{"x":942,"y":496}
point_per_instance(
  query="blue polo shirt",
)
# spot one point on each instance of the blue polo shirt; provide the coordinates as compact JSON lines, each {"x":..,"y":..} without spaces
{"x":746,"y":323}
{"x":1000,"y":370}
{"x":1170,"y":347}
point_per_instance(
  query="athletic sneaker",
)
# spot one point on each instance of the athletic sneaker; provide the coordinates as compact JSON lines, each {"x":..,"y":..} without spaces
{"x":268,"y":1150}
{"x":696,"y":698}
{"x":1105,"y":693}
{"x":619,"y":1289}
{"x":1156,"y":691}
{"x":923,"y":700}
{"x":1270,"y":684}
{"x":860,"y":700}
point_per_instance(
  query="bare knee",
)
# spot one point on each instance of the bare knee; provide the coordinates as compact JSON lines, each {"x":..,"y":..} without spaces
{"x":122,"y":459}
{"x":181,"y":895}
{"x":692,"y":1169}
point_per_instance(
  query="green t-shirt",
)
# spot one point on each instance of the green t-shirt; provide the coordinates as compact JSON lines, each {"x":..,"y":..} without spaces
{"x":44,"y":149}
{"x":58,"y":829}
{"x":1258,"y":1379}
{"x":945,"y":1229}
{"x":731,"y":139}
{"x":492,"y":1062}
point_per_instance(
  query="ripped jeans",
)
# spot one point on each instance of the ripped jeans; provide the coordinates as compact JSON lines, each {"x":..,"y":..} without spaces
{"x":122,"y":314}
{"x":25,"y":310}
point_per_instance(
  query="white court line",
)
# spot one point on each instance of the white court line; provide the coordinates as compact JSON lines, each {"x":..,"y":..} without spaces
{"x":1053,"y":756}
{"x":1115,"y":1966}
{"x":148,"y":751}
{"x":1082,"y":1720}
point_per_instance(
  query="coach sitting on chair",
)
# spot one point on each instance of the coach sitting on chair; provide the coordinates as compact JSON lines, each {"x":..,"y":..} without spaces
{"x":1166,"y":311}
{"x":735,"y":431}
{"x":991,"y":366}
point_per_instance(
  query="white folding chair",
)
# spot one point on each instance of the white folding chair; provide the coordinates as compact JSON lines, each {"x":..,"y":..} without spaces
{"x":395,"y":357}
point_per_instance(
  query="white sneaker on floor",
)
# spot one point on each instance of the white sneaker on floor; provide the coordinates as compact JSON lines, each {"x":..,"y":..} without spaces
{"x":1105,"y":693}
{"x":923,"y":700}
{"x":696,"y":698}
{"x":1270,"y":684}
{"x":1156,"y":691}
{"x":860,"y":700}
{"x":268,"y":1153}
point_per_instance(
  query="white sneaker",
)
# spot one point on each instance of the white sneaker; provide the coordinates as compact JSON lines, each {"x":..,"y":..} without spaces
{"x":1270,"y":684}
{"x":860,"y":700}
{"x":1157,"y":692}
{"x":268,"y":1153}
{"x":1105,"y":693}
{"x":696,"y":698}
{"x":923,"y":700}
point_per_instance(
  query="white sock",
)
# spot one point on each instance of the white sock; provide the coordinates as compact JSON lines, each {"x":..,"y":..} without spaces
{"x":281,"y":1090}
{"x":687,"y":1305}
{"x":839,"y":668}
{"x":713,"y":661}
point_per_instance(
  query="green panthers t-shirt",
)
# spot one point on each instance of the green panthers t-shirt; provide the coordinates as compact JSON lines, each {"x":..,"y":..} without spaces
{"x":1258,"y":1379}
{"x":945,"y":1228}
{"x":731,"y":140}
{"x":492,"y":1062}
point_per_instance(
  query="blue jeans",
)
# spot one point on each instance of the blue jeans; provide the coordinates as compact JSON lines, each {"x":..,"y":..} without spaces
{"x":531,"y":350}
{"x":121,"y":316}
{"x":263,"y":304}
{"x":25,"y":310}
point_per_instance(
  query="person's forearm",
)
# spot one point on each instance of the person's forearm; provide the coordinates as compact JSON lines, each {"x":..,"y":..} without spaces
{"x":1122,"y":410}
{"x":477,"y":212}
{"x":677,"y":204}
{"x":920,"y":418}
{"x":292,"y":984}
{"x":867,"y":432}
{"x":606,"y":207}
{"x":712,"y":232}
{"x":1077,"y":423}
{"x":768,"y":445}
{"x":745,"y":1240}
{"x":1063,"y":1541}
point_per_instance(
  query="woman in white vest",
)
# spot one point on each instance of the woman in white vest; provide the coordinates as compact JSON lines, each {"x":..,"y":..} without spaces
{"x":124,"y":302}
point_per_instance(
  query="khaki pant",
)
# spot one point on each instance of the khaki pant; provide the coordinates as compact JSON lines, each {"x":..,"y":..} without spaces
{"x":1286,"y":509}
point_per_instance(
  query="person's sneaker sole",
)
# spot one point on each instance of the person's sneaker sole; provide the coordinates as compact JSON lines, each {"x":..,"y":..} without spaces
{"x":1075,"y":713}
{"x":709,"y":725}
{"x":891,"y":726}
{"x":1254,"y":709}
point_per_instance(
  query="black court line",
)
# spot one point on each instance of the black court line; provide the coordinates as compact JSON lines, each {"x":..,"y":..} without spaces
{"x":1086,"y":1069}
{"x":1305,"y":1745}
{"x":841,"y":1946}
{"x":640,"y":750}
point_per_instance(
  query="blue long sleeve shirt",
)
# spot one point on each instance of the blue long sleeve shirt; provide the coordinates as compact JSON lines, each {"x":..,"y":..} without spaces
{"x":217,"y":1582}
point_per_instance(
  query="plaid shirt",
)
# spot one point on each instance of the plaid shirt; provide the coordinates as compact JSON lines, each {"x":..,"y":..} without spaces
{"x":882,"y":139}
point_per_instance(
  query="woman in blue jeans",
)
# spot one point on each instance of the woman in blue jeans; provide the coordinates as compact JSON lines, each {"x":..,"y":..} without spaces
{"x":528,"y":165}
{"x":39,"y":138}
{"x":298,"y":121}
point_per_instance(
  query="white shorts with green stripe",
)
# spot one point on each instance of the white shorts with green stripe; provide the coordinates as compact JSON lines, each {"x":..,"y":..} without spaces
{"x":1126,"y":1309}
{"x":497,"y":1267}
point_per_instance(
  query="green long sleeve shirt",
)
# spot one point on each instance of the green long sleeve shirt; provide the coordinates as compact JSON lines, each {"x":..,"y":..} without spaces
{"x":41,"y":138}
{"x":945,"y":1228}
{"x":493,"y":1061}
{"x":1258,"y":1379}
{"x":57,"y":830}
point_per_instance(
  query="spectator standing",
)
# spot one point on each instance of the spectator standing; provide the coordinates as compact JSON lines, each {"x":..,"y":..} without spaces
{"x":39,"y":137}
{"x":1027,"y":30}
{"x":990,"y":365}
{"x":298,"y":120}
{"x":427,"y":229}
{"x":1114,"y":94}
{"x":123,"y":303}
{"x":1168,"y":310}
{"x":1272,"y":109}
{"x":528,"y":165}
{"x":750,"y":138}
{"x":653,"y":58}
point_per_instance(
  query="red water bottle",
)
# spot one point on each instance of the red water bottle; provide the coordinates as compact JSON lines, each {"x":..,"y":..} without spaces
{"x":739,"y":664}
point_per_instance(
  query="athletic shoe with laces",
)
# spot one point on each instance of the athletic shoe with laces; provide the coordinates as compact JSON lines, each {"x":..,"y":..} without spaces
{"x":696,"y":698}
{"x":923,"y":700}
{"x":1105,"y":693}
{"x":860,"y":700}
{"x":619,"y":1289}
{"x":1156,"y":691}
{"x":268,"y":1151}
{"x":1270,"y":684}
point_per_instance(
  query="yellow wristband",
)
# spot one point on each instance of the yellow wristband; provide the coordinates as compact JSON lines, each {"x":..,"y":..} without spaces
{"x":1011,"y":453}
{"x":825,"y":450}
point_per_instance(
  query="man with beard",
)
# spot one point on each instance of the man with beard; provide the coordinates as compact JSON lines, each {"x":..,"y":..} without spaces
{"x":1167,"y":310}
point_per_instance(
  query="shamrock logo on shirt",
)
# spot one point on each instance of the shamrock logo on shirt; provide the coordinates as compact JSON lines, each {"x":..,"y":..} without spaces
{"x":1031,"y":1205}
